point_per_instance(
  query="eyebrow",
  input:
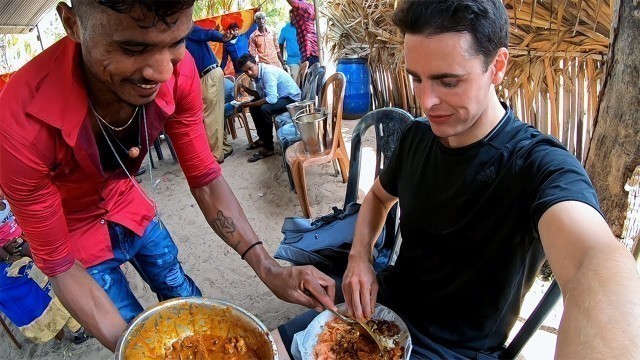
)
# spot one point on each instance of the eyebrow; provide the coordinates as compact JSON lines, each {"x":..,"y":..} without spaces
{"x":134,"y":43}
{"x":436,"y":76}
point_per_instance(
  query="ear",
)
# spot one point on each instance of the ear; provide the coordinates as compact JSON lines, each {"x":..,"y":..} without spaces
{"x":500,"y":66}
{"x":69,"y":21}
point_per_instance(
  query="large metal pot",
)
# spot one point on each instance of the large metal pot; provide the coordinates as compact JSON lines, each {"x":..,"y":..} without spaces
{"x":301,"y":107}
{"x":158,"y":327}
{"x":315,"y":131}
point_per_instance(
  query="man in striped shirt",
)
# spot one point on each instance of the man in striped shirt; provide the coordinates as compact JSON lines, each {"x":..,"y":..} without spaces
{"x":303,"y":18}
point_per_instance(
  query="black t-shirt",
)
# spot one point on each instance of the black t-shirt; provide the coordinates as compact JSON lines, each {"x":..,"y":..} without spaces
{"x":469,"y":216}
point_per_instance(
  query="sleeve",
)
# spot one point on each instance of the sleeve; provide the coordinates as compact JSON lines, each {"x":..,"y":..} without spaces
{"x":186,"y":128}
{"x":36,"y":204}
{"x":557,"y":176}
{"x":225,"y":57}
{"x":252,"y":46}
{"x":203,"y":35}
{"x":270,"y":87}
{"x":281,"y":37}
{"x":389,"y":175}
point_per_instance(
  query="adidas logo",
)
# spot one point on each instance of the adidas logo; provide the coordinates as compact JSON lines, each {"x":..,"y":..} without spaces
{"x":488,"y":175}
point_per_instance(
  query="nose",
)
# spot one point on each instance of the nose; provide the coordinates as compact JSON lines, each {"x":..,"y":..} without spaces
{"x":160,"y":66}
{"x":427,"y":96}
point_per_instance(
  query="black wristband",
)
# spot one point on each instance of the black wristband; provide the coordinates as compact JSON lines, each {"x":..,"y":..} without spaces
{"x":249,"y":248}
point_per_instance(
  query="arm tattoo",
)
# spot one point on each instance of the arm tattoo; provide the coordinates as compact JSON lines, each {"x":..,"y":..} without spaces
{"x":225,"y":228}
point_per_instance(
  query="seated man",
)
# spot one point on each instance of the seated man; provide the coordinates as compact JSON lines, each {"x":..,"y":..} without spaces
{"x":484,"y":198}
{"x":275,"y":90}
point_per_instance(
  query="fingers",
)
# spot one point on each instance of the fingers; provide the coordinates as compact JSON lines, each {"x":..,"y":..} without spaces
{"x":320,"y":288}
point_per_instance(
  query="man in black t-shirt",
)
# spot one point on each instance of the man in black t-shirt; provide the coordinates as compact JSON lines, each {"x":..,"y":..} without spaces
{"x":483,"y":198}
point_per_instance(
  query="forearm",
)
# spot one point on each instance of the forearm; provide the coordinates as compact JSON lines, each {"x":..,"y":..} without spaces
{"x":89,"y":305}
{"x":226,"y":217}
{"x":601,"y":316}
{"x":371,"y":218}
{"x":257,"y":103}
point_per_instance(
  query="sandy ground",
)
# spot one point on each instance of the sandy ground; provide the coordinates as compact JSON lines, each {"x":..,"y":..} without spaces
{"x":263,"y":191}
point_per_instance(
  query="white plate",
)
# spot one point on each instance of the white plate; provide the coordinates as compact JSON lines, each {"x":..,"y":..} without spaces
{"x":304,"y":341}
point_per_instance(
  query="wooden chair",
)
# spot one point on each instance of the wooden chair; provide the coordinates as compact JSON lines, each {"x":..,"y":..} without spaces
{"x":303,"y":72}
{"x":241,"y":116}
{"x":298,"y":159}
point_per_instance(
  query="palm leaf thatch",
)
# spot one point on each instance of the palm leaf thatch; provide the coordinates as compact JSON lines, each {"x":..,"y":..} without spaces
{"x":557,"y":51}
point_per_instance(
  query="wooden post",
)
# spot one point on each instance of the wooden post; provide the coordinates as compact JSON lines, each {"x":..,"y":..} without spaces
{"x":320,"y":50}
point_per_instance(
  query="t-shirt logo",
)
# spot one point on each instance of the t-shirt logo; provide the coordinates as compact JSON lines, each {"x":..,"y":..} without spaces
{"x":488,"y":175}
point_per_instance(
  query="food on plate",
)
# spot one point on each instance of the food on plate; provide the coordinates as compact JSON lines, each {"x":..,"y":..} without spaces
{"x":339,"y":340}
{"x":210,"y":347}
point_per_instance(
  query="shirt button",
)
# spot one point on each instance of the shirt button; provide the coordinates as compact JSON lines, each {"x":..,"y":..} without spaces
{"x":102,"y":221}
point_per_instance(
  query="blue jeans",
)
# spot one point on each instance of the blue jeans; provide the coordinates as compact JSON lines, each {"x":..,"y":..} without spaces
{"x":154,"y":255}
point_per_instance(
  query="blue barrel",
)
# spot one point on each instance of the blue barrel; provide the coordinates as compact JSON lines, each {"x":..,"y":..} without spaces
{"x":357,"y":97}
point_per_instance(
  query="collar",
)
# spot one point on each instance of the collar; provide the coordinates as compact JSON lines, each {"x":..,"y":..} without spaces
{"x":60,"y":97}
{"x":260,"y":69}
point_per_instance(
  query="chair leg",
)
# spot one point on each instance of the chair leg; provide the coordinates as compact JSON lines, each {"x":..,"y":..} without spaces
{"x":156,"y":145}
{"x":231,"y":127}
{"x":153,"y":164}
{"x":336,"y":171}
{"x":13,"y":338}
{"x":172,"y":150}
{"x":343,"y":161}
{"x":243,"y":120}
{"x":300,"y":183}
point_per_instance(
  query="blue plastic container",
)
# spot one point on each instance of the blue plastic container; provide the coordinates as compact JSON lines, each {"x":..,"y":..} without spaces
{"x":357,"y":97}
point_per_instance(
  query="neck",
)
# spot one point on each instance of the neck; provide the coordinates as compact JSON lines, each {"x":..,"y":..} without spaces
{"x":485,"y":123}
{"x":262,"y":29}
{"x":106,"y":103}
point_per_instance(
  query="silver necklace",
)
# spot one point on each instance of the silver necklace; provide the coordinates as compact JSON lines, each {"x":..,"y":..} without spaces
{"x":100,"y":119}
{"x":135,"y":183}
{"x":133,"y":151}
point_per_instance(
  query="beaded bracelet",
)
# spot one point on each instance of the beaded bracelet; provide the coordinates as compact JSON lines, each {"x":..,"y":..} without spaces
{"x":249,"y":248}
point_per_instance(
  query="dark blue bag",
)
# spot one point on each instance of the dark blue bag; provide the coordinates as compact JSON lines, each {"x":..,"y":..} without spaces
{"x":324,"y":242}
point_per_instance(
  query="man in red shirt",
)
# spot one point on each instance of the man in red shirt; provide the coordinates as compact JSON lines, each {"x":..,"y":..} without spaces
{"x":77,"y":121}
{"x":303,"y":18}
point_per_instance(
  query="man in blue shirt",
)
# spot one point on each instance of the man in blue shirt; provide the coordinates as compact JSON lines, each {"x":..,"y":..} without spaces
{"x":289,"y":38}
{"x":275,"y":90}
{"x":213,"y":87}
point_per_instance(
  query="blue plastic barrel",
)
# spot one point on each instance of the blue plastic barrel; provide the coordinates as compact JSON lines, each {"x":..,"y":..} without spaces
{"x":357,"y":97}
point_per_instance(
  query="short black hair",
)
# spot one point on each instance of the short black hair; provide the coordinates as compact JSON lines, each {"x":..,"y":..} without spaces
{"x":233,"y":25}
{"x":485,"y":20}
{"x":245,"y":59}
{"x":161,"y":9}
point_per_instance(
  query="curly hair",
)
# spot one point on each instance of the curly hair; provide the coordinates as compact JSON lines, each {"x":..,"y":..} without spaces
{"x":161,"y":9}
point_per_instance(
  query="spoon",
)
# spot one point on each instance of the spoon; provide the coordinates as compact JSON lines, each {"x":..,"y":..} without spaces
{"x":362,"y":328}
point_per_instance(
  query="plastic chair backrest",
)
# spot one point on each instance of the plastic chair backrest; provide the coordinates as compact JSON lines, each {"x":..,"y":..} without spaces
{"x":312,"y":89}
{"x":308,"y":79}
{"x":546,"y":304}
{"x":304,"y":66}
{"x":389,"y":123}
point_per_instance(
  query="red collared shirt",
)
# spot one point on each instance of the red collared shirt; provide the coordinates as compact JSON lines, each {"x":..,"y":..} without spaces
{"x":50,"y":166}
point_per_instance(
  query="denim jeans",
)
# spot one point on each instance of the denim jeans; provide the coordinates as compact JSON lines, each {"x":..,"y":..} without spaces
{"x":154,"y":255}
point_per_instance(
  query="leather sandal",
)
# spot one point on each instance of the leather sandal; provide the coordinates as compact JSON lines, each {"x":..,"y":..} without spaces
{"x":255,"y":145}
{"x":260,"y":155}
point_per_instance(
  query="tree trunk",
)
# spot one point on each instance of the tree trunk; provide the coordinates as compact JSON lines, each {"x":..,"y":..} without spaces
{"x":615,"y":145}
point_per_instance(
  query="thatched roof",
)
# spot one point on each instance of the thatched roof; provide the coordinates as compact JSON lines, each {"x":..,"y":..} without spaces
{"x":557,"y":49}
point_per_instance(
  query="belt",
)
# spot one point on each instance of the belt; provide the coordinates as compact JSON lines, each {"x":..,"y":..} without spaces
{"x":208,"y":69}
